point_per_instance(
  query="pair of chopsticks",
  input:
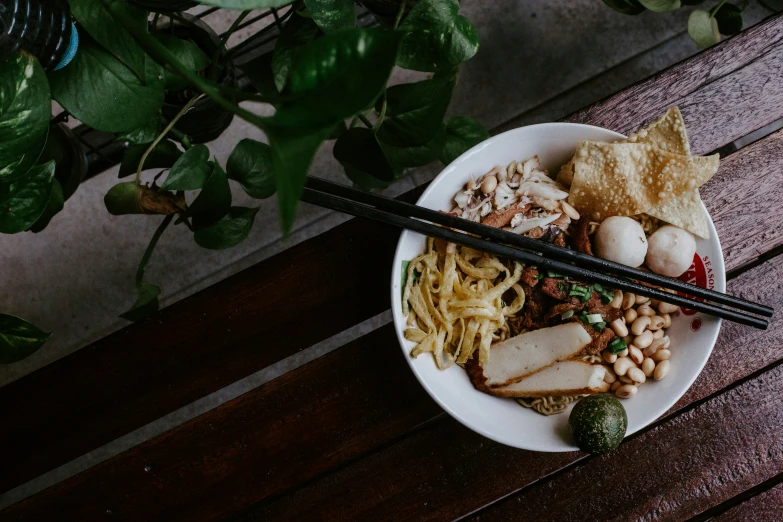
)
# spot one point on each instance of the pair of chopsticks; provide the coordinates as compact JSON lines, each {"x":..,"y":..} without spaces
{"x":531,"y":251}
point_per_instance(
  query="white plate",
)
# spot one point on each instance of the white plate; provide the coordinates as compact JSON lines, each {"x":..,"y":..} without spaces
{"x":503,"y":420}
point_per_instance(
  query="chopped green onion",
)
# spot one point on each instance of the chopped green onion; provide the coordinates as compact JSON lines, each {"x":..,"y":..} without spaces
{"x":594,"y":318}
{"x":617,"y":345}
{"x":583,"y":318}
{"x":598,"y":287}
{"x":538,"y":276}
{"x":566,"y":314}
{"x":584,"y":298}
{"x":554,"y":275}
{"x":605,"y":299}
{"x":578,"y":291}
{"x":599,"y":326}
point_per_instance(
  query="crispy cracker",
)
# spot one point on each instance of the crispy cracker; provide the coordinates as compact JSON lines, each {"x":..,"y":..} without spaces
{"x":667,"y":133}
{"x":625,"y":179}
{"x":685,"y":212}
{"x":566,"y":174}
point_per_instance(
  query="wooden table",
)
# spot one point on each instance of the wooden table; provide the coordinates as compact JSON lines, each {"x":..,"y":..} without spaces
{"x":352,"y":435}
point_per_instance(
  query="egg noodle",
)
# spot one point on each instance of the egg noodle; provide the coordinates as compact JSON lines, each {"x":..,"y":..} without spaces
{"x":453,"y":299}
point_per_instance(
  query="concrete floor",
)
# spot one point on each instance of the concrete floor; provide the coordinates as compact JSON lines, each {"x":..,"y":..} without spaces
{"x":539,"y":60}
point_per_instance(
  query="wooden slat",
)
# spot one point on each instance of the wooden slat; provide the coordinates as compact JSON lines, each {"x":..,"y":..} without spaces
{"x":464,"y":472}
{"x":719,"y":104}
{"x":765,"y":506}
{"x":146,"y":371}
{"x":362,"y":395}
{"x":675,"y":471}
{"x":343,"y":393}
{"x":193,"y":348}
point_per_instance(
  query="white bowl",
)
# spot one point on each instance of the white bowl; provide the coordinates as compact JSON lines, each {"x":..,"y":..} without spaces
{"x":692,"y":335}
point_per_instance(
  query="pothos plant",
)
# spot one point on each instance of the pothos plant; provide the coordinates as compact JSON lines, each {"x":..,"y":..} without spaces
{"x":705,"y":27}
{"x":326,"y":79}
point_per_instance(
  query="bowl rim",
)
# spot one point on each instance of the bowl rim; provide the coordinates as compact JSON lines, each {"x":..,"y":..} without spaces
{"x":718,"y":263}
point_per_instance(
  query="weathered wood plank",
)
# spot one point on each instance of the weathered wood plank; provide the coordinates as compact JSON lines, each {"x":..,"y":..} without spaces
{"x":193,"y":348}
{"x":742,"y":199}
{"x":334,"y":410}
{"x":472,"y":471}
{"x":765,"y":506}
{"x":706,"y":87}
{"x":675,"y":471}
{"x":145,"y":371}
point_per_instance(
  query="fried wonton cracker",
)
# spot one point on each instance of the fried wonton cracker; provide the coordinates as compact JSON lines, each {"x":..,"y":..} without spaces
{"x":685,"y":212}
{"x":625,"y":179}
{"x":667,"y":133}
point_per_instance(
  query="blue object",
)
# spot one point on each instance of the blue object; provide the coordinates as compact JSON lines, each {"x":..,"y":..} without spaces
{"x":71,"y":51}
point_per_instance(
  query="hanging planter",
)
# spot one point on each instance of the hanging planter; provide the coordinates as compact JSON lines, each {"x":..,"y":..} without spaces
{"x":164,"y":6}
{"x":66,"y":149}
{"x":385,"y":11}
{"x":43,"y":29}
{"x":206,"y":120}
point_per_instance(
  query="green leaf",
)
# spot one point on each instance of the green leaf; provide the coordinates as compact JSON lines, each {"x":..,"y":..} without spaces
{"x":729,"y":18}
{"x":661,"y":6}
{"x":146,"y":303}
{"x":191,"y":170}
{"x":332,"y":15}
{"x":462,"y":133}
{"x":436,"y":37}
{"x":297,"y":32}
{"x":337,"y":76}
{"x":188,"y":54}
{"x":231,"y":230}
{"x":146,"y":133}
{"x":164,"y":155}
{"x":18,"y":338}
{"x":100,"y":25}
{"x":214,"y":200}
{"x":358,"y":150}
{"x":246,"y":4}
{"x":54,"y":205}
{"x":25,"y":110}
{"x":101,"y":92}
{"x":703,"y":29}
{"x":415,"y":111}
{"x":417,"y":156}
{"x":629,"y":7}
{"x":123,"y":199}
{"x":292,"y":155}
{"x":20,"y":167}
{"x":24,"y":201}
{"x":250,"y":163}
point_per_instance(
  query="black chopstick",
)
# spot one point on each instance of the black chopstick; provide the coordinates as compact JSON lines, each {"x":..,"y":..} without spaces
{"x":355,"y":208}
{"x":564,"y":254}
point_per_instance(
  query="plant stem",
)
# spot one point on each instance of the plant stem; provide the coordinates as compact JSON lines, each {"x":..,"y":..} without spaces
{"x":154,"y":25}
{"x":182,"y":138}
{"x":160,"y":53}
{"x":381,"y":115}
{"x":227,"y":35}
{"x":716,"y":8}
{"x":148,"y":253}
{"x":364,"y":120}
{"x":163,"y":134}
{"x":399,"y":14}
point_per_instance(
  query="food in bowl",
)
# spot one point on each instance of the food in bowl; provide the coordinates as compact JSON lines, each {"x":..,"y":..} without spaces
{"x":540,"y":337}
